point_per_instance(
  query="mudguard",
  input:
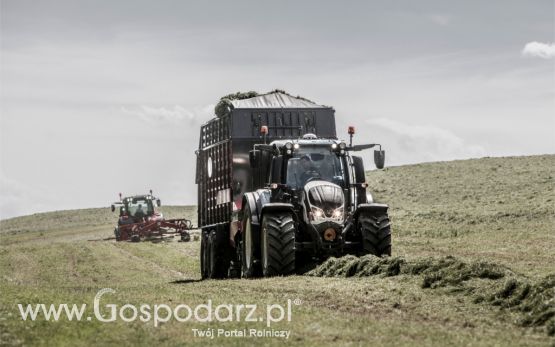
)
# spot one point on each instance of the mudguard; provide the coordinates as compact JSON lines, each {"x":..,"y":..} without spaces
{"x":276,"y":207}
{"x":373,"y":208}
{"x":259,"y":203}
{"x":250,"y":200}
{"x":255,"y":201}
{"x":263,"y":198}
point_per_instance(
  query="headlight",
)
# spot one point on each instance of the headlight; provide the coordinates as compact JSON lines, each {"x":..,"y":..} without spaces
{"x":289,"y":145}
{"x":338,"y":214}
{"x":342,"y":145}
{"x":317,"y":213}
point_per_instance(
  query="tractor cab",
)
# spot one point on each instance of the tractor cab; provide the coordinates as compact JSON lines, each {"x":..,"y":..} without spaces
{"x":291,"y":167}
{"x":312,"y":162}
{"x":138,"y":207}
{"x":133,"y":209}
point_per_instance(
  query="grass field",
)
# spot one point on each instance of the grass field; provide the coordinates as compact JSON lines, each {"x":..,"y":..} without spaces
{"x":488,"y":225}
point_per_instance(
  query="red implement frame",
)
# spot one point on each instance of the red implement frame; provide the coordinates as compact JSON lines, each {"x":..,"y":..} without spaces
{"x":155,"y":229}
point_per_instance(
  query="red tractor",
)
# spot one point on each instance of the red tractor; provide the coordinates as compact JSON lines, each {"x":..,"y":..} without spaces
{"x":138,"y":219}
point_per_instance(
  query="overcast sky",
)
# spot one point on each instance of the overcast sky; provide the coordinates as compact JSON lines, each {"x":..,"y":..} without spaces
{"x":101,"y":97}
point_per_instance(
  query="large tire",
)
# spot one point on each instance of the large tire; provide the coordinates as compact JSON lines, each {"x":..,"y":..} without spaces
{"x":211,"y":254}
{"x":117,"y":234}
{"x":250,"y":268}
{"x":234,"y":269}
{"x":376,"y":234}
{"x":278,"y":244}
{"x":204,"y":255}
{"x":218,"y":262}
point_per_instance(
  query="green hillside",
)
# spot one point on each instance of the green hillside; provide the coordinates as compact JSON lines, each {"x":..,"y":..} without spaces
{"x":500,"y":209}
{"x":472,"y":257}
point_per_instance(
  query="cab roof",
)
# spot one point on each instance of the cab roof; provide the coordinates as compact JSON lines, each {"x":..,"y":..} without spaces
{"x":301,"y":142}
{"x":145,"y":196}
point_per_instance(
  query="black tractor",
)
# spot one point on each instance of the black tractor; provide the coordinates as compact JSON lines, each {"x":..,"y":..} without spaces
{"x":279,"y":193}
{"x":314,"y":205}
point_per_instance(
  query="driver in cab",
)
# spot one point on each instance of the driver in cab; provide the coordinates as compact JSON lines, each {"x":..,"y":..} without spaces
{"x":139,"y":213}
{"x":309,"y":170}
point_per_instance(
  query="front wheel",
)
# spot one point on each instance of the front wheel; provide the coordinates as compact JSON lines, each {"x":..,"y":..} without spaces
{"x":376,"y":233}
{"x":278,"y":244}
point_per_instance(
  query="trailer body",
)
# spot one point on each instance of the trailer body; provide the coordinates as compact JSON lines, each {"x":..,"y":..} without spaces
{"x":223,"y":173}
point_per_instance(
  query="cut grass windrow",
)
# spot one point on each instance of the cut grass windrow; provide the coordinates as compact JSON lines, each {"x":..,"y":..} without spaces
{"x":534,"y":301}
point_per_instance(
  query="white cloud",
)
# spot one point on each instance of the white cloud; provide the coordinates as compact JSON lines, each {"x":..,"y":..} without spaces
{"x":539,"y":49}
{"x":176,"y":114}
{"x":408,"y":143}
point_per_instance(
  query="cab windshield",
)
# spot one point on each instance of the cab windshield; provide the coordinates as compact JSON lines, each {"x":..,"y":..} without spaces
{"x":140,"y":207}
{"x":311,"y":163}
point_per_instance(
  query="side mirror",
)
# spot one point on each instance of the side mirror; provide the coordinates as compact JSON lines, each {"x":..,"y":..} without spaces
{"x":253,"y":158}
{"x":379,"y":159}
{"x":158,"y":202}
{"x":358,"y":164}
{"x":113,"y":208}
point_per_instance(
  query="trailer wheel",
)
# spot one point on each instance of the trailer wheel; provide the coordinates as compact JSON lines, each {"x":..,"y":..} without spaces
{"x":204,"y":255}
{"x":376,"y":234}
{"x":135,"y":238}
{"x":234,"y":269}
{"x":249,"y":268}
{"x":278,"y":244}
{"x":217,"y":264}
{"x":211,"y":254}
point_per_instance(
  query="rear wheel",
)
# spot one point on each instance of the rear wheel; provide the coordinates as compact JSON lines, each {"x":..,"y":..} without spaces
{"x":217,"y":266}
{"x":117,"y":234}
{"x":211,"y":254}
{"x":278,"y":244}
{"x":234,"y":269}
{"x":204,"y":255}
{"x":376,"y":234}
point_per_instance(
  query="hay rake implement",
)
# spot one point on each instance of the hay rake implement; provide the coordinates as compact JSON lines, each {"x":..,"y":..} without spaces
{"x":139,"y":220}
